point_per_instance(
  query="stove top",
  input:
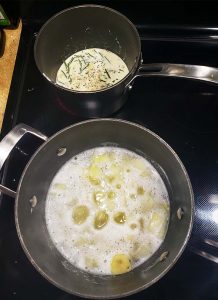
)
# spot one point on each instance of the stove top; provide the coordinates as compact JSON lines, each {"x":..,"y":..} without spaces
{"x":183,"y":112}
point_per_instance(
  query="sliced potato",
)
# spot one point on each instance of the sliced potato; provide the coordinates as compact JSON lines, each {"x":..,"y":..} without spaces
{"x":101,"y":219}
{"x":72,"y":202}
{"x":120,"y":217}
{"x":99,"y":198}
{"x":81,"y":242}
{"x":94,"y":174}
{"x":133,"y":226}
{"x":165,"y":205}
{"x":146,"y":173}
{"x":138,"y":164}
{"x":120,"y":264}
{"x":115,"y":170}
{"x":101,"y":158}
{"x":126,"y":158}
{"x":130,"y":237}
{"x":161,"y":233}
{"x":155,"y":222}
{"x":140,"y":251}
{"x":133,"y":196}
{"x":118,"y":186}
{"x":140,"y":190}
{"x":117,"y":183}
{"x":91,"y":263}
{"x":94,"y":181}
{"x":148,"y":202}
{"x":94,"y":171}
{"x":111,"y":195}
{"x":85,"y":242}
{"x":60,"y":186}
{"x":80,"y":214}
{"x":109,"y":178}
{"x":141,"y":224}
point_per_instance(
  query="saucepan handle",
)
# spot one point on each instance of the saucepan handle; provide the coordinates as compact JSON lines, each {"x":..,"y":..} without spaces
{"x":195,"y":72}
{"x":9,"y":142}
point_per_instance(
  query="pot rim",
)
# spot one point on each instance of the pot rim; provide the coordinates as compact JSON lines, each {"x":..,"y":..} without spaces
{"x":129,"y":75}
{"x":161,"y":274}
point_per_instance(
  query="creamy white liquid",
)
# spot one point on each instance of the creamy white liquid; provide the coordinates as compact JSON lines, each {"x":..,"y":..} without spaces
{"x":112,"y":180}
{"x":91,"y":69}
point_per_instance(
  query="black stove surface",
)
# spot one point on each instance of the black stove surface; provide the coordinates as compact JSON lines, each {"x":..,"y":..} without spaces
{"x":183,"y":112}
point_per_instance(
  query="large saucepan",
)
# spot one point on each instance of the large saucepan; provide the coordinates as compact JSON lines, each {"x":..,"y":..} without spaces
{"x":34,"y":184}
{"x":93,"y":26}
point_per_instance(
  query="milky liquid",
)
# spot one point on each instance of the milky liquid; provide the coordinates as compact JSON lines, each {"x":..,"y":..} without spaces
{"x":117,"y":182}
{"x":91,"y":69}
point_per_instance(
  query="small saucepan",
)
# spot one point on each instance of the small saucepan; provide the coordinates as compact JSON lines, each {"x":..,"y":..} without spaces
{"x":41,"y":169}
{"x":92,"y":26}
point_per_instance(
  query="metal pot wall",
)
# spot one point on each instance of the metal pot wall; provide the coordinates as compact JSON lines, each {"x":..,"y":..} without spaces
{"x":92,"y":26}
{"x":35,"y":181}
{"x":82,"y":27}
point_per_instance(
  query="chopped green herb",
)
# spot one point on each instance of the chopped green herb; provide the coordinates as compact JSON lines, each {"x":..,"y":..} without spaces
{"x":80,"y":65}
{"x":104,"y":57}
{"x":67,"y":67}
{"x":85,"y":67}
{"x":82,"y":57}
{"x":78,"y":56}
{"x":101,"y":54}
{"x":106,"y":71}
{"x":70,"y":62}
{"x":107,"y":59}
{"x":90,"y":55}
{"x":64,"y":74}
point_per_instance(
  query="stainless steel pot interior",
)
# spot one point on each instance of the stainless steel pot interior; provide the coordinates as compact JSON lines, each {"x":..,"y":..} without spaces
{"x":81,"y":27}
{"x":35,"y":181}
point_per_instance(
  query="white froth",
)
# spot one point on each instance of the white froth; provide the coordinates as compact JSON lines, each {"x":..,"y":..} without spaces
{"x":137,"y":190}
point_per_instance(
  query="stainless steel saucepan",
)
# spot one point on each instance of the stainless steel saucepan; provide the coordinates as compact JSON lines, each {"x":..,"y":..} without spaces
{"x":33,"y":187}
{"x":93,"y":26}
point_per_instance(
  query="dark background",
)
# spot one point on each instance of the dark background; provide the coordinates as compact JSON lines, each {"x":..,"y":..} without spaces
{"x":184,"y":113}
{"x":188,"y":13}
